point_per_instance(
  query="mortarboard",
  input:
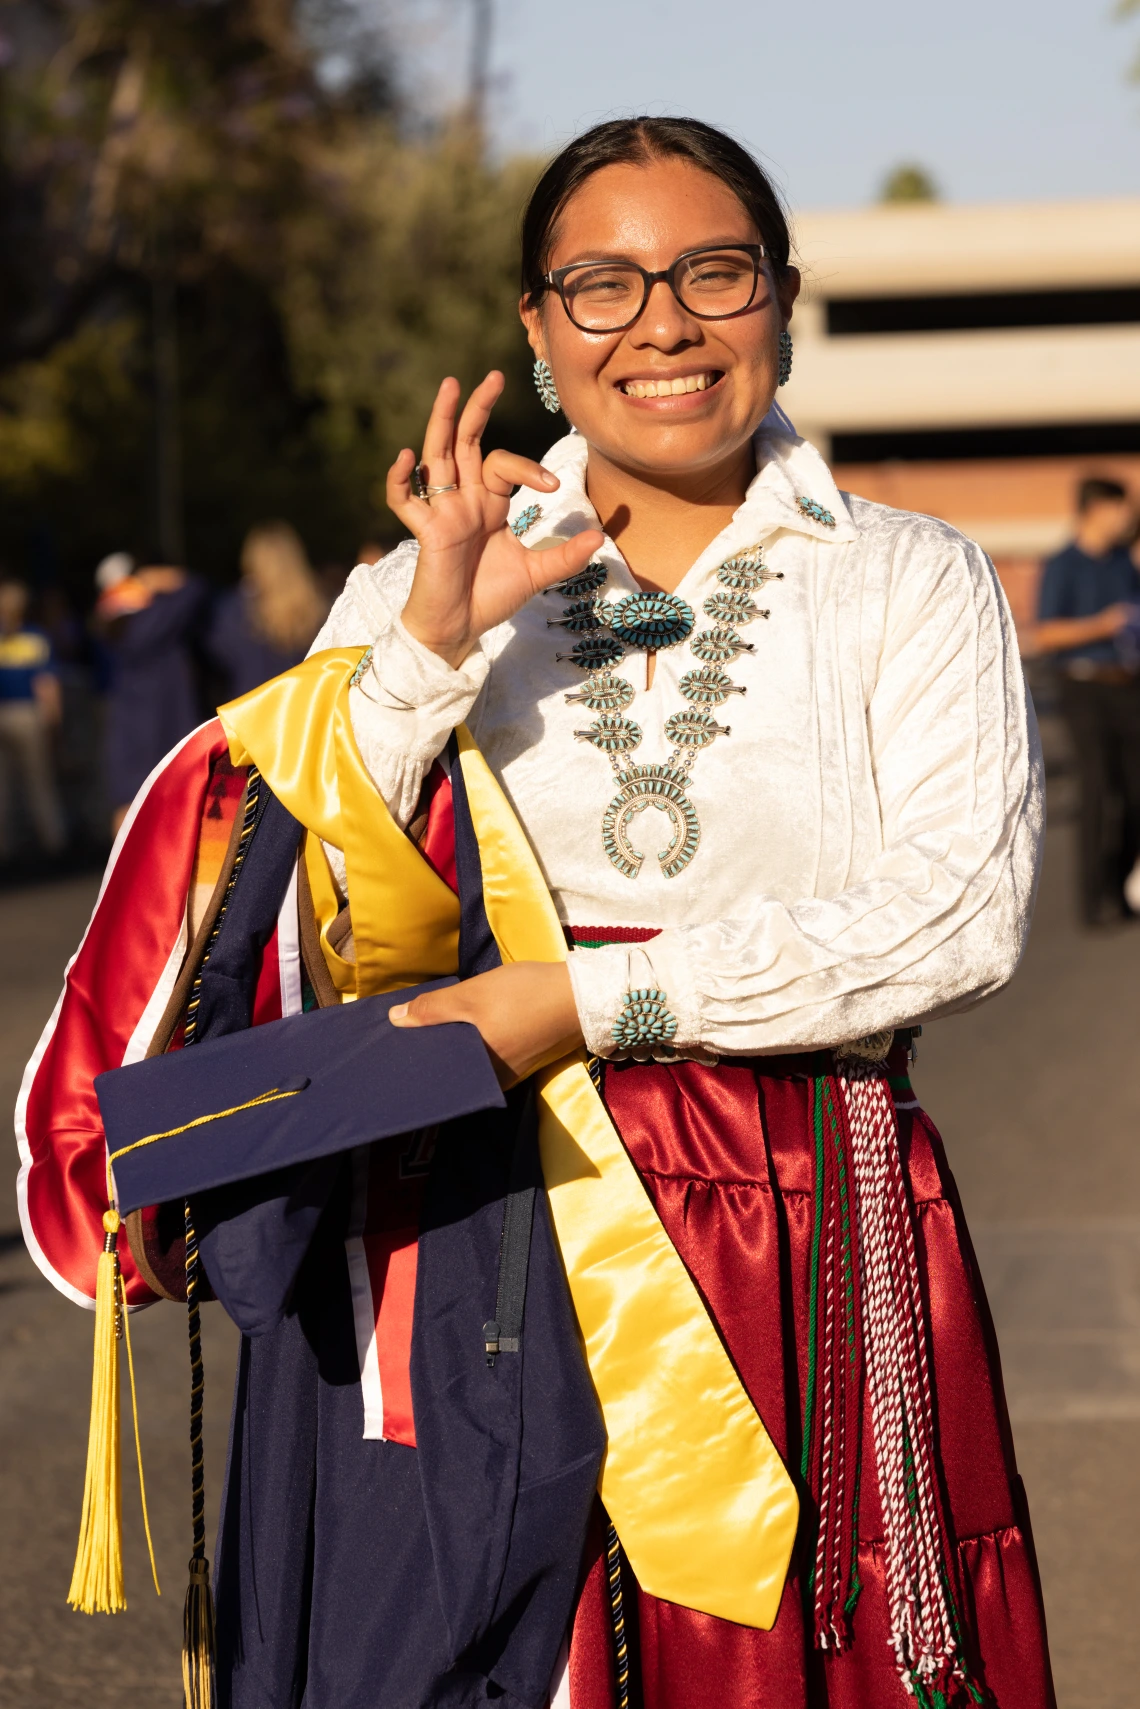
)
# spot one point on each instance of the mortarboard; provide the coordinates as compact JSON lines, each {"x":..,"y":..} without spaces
{"x":291,"y":1091}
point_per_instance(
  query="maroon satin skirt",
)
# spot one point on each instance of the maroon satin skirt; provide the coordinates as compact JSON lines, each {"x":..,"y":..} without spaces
{"x":727,"y":1156}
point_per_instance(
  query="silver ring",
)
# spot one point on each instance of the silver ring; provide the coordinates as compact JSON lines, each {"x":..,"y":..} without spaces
{"x":421,"y":488}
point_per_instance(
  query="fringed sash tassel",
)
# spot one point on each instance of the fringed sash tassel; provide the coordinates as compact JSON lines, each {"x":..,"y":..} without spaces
{"x":198,"y":1648}
{"x":833,"y":1433}
{"x":921,"y":1565}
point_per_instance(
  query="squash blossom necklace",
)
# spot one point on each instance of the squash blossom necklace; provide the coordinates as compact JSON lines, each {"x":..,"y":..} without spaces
{"x":651,"y":622}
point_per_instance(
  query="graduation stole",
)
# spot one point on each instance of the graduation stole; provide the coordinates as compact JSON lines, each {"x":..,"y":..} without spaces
{"x":704,"y":1507}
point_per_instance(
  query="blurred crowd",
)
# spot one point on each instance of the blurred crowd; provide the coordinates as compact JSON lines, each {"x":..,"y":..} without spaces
{"x":88,"y":706}
{"x":1088,"y":635}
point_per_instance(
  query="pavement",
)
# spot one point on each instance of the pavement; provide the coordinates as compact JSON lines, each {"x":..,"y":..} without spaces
{"x":1037,"y":1094}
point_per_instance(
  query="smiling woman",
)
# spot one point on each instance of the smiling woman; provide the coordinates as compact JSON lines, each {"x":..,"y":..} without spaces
{"x":711,"y":782}
{"x":678,"y":274}
{"x":854,"y":851}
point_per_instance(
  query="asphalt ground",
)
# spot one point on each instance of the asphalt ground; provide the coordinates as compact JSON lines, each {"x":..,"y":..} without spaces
{"x":1038,"y":1096}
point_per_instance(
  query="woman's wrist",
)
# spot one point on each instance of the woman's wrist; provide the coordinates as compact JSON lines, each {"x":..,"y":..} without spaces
{"x":451,"y":647}
{"x":524,"y":1011}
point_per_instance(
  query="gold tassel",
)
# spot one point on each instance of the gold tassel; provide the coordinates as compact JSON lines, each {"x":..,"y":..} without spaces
{"x":97,"y":1582}
{"x":198,"y":1637}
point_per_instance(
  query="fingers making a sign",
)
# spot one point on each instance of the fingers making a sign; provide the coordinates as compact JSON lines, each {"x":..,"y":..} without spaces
{"x":453,"y":460}
{"x":472,"y":573}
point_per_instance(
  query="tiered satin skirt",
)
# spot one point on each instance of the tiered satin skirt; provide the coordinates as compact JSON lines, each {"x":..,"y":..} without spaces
{"x":727,"y":1155}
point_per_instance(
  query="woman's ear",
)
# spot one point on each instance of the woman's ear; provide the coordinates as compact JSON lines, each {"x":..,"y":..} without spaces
{"x":787,"y":290}
{"x":531,"y":318}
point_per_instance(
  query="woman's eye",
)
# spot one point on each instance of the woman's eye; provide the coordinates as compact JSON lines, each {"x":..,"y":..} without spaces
{"x":718,"y":274}
{"x":595,"y":285}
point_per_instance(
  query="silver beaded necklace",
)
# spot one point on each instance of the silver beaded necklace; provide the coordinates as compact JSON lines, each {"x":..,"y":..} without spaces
{"x":652,"y":622}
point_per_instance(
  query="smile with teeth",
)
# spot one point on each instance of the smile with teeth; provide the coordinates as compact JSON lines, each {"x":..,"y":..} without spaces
{"x":670,"y":388}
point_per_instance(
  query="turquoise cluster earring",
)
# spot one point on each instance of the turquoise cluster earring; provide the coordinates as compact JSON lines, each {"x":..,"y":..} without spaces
{"x":544,"y":385}
{"x":785,"y":369}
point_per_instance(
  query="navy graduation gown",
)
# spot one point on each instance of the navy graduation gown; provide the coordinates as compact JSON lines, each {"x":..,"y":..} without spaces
{"x":356,"y":1574}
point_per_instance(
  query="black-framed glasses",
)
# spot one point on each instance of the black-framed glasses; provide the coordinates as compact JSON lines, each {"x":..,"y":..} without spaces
{"x":608,"y":296}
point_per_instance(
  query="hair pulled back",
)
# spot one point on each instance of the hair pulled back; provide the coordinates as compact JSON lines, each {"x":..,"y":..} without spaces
{"x":638,"y":142}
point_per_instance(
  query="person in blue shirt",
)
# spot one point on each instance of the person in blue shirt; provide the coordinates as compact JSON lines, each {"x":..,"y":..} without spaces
{"x":30,"y":707}
{"x":1087,"y":608}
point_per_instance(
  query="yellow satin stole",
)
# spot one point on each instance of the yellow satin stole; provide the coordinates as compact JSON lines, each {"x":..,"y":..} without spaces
{"x":704,"y":1507}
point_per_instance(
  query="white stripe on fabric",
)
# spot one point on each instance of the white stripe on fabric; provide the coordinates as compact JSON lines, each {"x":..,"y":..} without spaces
{"x":35,"y":1251}
{"x":560,"y":1679}
{"x":363,"y":1305}
{"x":289,"y":949}
{"x":139,"y":1042}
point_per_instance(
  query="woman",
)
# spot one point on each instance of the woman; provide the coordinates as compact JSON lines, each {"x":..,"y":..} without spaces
{"x":268,"y":622}
{"x":823,"y":826}
{"x":868,"y":833}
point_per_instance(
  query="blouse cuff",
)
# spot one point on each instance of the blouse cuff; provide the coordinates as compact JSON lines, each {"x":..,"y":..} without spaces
{"x":628,"y":1009}
{"x":404,"y":707}
{"x":405,"y":676}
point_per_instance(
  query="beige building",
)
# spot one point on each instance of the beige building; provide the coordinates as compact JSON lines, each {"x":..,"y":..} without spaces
{"x":973,"y":362}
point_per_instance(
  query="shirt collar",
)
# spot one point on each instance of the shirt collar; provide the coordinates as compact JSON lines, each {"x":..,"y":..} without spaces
{"x":788,"y":470}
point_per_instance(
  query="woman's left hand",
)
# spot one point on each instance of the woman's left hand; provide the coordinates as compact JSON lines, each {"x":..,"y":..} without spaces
{"x":525,"y":1014}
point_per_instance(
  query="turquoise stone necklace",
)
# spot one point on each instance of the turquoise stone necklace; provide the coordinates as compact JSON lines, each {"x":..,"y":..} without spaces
{"x":652,"y":622}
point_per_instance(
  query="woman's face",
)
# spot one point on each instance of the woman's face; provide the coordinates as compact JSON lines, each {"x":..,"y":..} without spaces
{"x":652,"y":214}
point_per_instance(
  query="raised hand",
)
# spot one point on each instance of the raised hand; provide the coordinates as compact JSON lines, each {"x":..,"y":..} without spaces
{"x":472,"y":573}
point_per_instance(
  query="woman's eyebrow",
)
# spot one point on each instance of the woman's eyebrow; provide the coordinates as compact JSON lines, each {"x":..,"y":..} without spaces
{"x":623,"y":255}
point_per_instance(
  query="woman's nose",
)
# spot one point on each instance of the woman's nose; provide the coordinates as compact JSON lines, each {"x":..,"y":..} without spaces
{"x":664,"y":319}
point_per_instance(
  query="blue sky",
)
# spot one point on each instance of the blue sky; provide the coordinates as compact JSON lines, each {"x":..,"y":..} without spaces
{"x":999,"y":99}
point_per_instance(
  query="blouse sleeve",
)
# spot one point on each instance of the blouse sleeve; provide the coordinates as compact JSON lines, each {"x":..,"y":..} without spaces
{"x":409,"y":699}
{"x":940,"y":918}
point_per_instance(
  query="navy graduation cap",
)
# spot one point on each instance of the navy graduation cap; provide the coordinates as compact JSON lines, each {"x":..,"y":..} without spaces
{"x":292,"y":1091}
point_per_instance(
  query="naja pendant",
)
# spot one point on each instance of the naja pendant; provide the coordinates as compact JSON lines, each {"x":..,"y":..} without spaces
{"x":639,"y":787}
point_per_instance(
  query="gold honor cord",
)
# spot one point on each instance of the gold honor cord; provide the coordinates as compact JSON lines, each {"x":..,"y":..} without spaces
{"x":274,"y":1096}
{"x":705,"y":1509}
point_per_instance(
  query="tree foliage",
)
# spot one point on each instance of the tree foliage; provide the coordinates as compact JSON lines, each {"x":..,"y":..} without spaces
{"x":909,"y":183}
{"x":1129,"y":9}
{"x":327,"y":271}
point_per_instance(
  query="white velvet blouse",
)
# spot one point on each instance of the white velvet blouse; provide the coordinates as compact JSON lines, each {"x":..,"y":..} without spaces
{"x":870,"y":830}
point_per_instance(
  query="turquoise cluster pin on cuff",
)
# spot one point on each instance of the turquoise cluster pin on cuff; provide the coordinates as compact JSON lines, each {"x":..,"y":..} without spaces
{"x":645,"y":1028}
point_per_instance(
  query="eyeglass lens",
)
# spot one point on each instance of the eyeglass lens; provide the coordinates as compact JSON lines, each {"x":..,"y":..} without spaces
{"x":602,"y":296}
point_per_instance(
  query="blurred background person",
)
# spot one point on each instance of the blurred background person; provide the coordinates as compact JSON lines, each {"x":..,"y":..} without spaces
{"x":150,"y":620}
{"x":30,"y":709}
{"x":77,"y":741}
{"x":268,"y":622}
{"x":1087,"y":609}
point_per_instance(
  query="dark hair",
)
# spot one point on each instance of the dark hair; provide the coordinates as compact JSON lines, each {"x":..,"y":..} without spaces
{"x":1099,"y":489}
{"x":637,"y":142}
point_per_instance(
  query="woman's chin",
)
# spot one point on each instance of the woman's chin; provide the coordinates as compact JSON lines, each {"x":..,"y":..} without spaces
{"x":667,"y":441}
